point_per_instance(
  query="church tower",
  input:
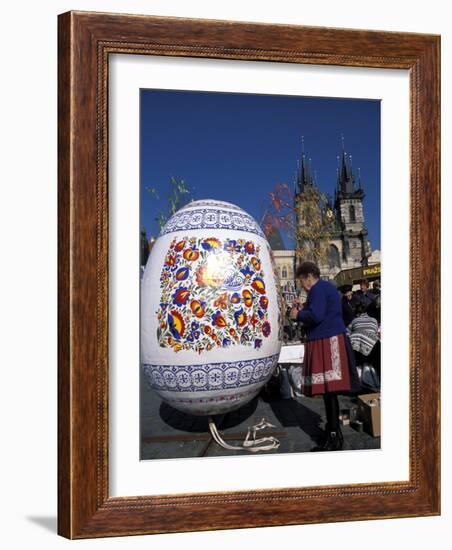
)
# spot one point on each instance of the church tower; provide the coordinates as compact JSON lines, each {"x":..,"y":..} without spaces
{"x":306,"y":208}
{"x":348,"y":204}
{"x":331,"y":232}
{"x":310,"y":213}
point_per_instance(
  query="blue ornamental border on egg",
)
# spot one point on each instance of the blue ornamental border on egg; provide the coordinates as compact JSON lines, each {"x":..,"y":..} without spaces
{"x":198,"y":404}
{"x":212,"y":203}
{"x":207,"y":218}
{"x":210,"y":376}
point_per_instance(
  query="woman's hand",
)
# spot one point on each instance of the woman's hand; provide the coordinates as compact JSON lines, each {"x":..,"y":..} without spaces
{"x":294,"y":312}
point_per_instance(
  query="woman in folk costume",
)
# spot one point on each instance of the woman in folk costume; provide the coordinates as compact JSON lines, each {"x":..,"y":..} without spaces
{"x":328,"y":367}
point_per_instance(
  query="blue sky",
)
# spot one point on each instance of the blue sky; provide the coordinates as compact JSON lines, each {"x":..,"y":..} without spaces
{"x":237,"y":147}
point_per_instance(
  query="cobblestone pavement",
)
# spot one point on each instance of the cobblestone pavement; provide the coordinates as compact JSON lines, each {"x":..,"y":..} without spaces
{"x":168,"y":433}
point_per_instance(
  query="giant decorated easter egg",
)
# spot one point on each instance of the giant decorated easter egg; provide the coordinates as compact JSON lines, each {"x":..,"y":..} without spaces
{"x":210,"y":310}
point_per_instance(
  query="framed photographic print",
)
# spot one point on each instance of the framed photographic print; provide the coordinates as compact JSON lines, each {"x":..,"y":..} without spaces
{"x":248,"y":222}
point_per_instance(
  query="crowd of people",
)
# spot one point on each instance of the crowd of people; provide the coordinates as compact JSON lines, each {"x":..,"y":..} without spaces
{"x":341,"y":333}
{"x":361,"y":316}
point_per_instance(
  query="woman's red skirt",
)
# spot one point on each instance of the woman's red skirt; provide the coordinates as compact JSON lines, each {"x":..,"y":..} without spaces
{"x":325,"y":366}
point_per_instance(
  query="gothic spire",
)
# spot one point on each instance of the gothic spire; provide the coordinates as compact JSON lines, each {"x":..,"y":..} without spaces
{"x":346,"y":178}
{"x":304,"y":170}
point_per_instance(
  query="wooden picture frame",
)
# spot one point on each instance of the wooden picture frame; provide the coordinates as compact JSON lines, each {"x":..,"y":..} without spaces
{"x":85,"y":508}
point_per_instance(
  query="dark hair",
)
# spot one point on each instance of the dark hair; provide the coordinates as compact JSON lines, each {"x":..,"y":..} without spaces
{"x":360,"y":308}
{"x":306,"y":268}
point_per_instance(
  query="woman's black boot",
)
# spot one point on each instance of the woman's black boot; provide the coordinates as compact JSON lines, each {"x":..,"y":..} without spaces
{"x":334,"y":442}
{"x":334,"y":439}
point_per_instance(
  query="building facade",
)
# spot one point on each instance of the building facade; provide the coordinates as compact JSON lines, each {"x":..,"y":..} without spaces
{"x":285,"y":266}
{"x":338,"y":226}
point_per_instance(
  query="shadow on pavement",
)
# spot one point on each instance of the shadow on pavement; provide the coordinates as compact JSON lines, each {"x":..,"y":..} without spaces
{"x":292,"y":413}
{"x":198,"y":424}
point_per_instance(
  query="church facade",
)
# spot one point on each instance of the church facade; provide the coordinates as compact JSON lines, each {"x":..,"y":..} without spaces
{"x":340,"y":229}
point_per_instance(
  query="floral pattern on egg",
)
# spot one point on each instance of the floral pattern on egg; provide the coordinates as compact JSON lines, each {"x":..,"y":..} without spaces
{"x":213,"y":295}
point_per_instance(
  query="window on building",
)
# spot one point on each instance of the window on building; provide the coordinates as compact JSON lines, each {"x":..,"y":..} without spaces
{"x":284,"y":272}
{"x":333,"y":256}
{"x":352,"y":213}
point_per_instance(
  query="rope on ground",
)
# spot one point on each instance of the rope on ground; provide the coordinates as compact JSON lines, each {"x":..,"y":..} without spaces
{"x":250,"y":443}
